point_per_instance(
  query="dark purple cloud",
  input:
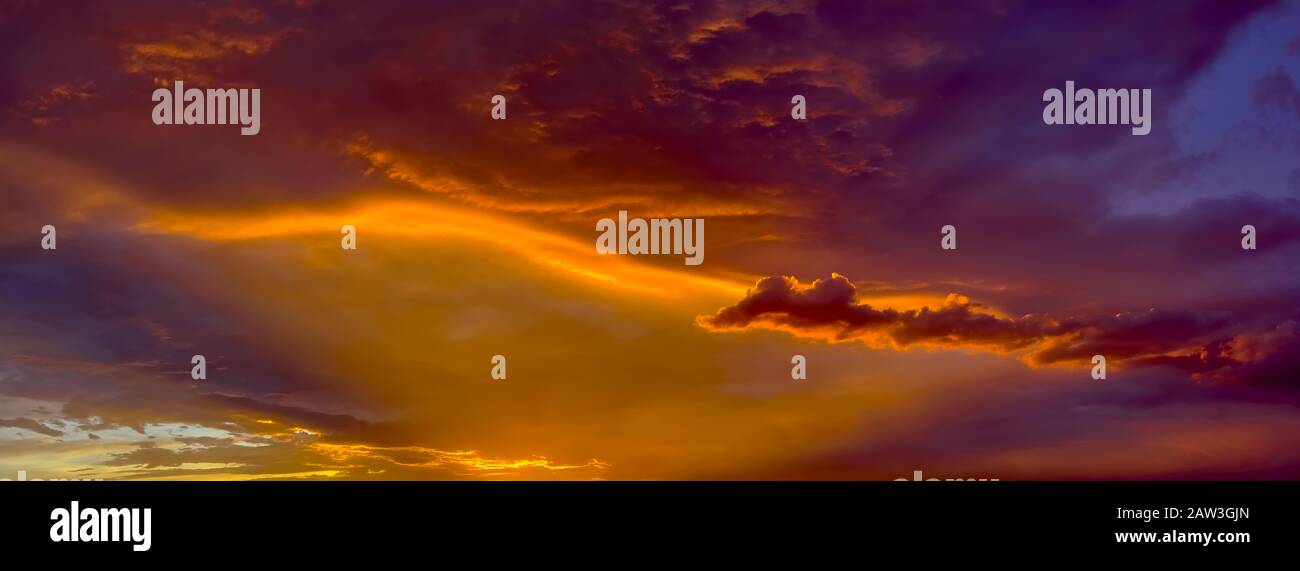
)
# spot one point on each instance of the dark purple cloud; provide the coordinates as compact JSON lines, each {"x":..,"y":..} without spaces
{"x":1276,"y":93}
{"x":1214,"y":344}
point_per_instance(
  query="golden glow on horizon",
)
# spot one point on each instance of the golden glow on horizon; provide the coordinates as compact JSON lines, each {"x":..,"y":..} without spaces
{"x":431,"y":458}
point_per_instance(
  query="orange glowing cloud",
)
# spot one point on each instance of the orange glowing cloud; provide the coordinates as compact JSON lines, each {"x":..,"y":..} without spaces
{"x":412,"y":219}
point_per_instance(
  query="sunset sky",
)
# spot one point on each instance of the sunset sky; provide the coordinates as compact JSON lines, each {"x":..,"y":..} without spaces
{"x":476,"y":238}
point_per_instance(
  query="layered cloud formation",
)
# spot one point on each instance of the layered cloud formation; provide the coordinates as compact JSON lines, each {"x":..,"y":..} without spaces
{"x":475,"y":239}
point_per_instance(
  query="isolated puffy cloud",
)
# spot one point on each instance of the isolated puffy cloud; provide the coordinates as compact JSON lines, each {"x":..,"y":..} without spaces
{"x":1211,"y":343}
{"x":828,"y":309}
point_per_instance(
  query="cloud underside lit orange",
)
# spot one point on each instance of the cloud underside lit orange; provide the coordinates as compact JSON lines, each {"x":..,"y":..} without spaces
{"x":828,"y":310}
